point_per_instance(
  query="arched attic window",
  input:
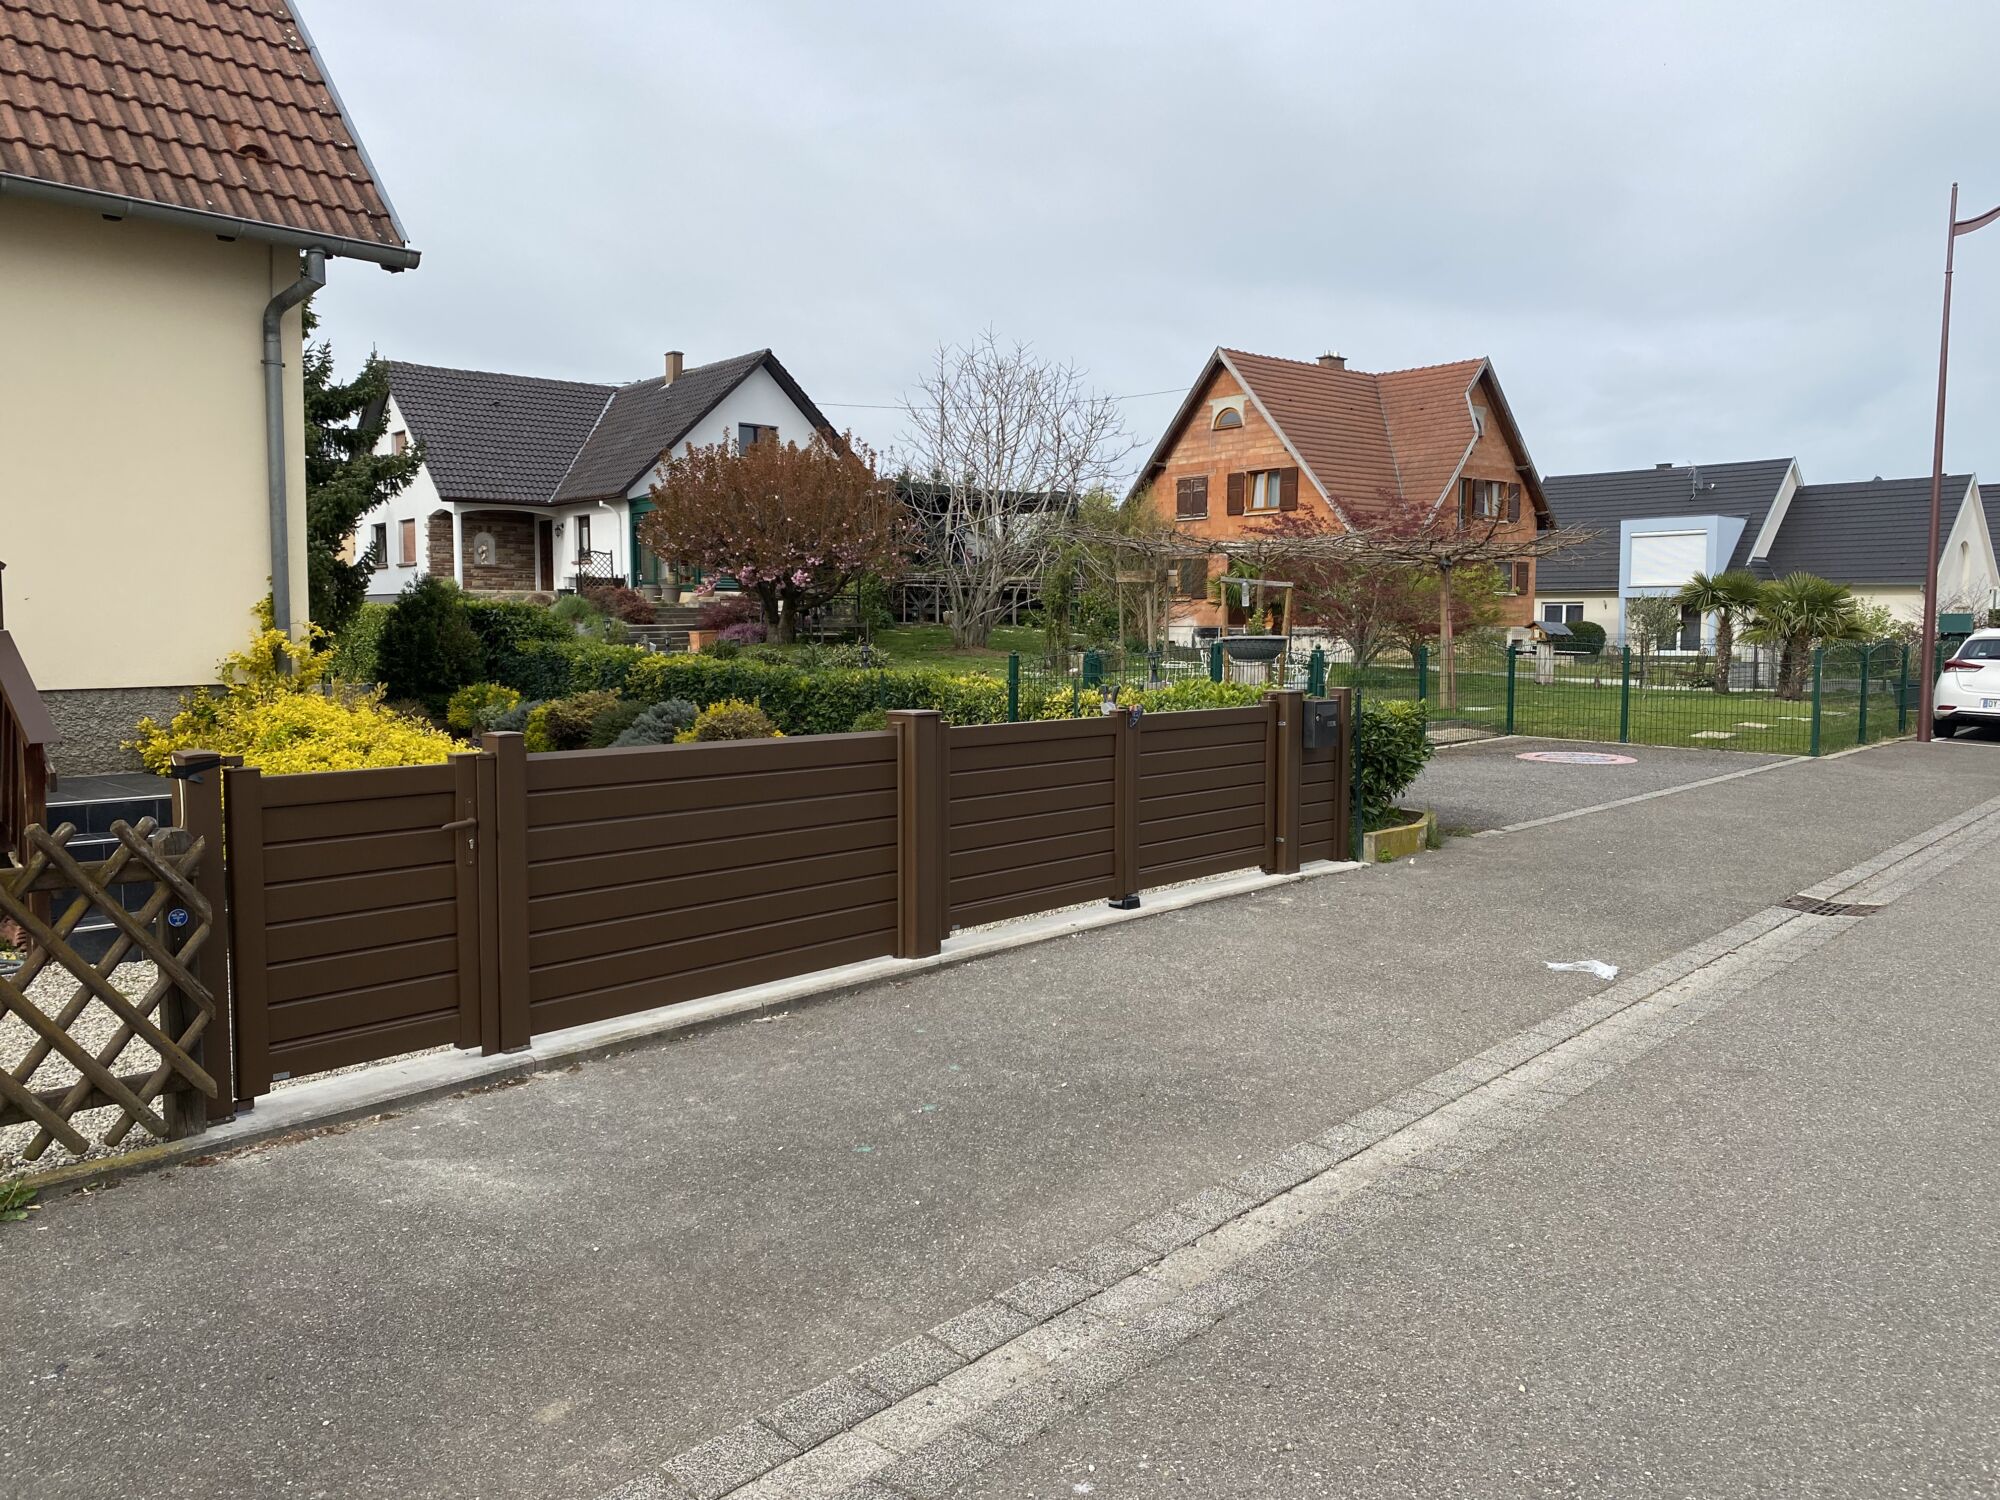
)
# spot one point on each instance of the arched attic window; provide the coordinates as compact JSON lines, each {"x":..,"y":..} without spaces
{"x":1228,"y":417}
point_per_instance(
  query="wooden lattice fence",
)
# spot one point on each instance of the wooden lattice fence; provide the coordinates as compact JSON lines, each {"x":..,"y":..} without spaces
{"x":150,"y":1066}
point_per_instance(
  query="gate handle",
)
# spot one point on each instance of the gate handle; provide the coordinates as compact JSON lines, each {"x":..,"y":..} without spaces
{"x":461,"y":823}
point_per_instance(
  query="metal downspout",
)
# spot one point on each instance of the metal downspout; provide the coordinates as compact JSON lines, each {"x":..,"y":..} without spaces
{"x":312,"y":276}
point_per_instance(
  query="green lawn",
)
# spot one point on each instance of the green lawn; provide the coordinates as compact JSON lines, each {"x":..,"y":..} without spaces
{"x":930,"y":646}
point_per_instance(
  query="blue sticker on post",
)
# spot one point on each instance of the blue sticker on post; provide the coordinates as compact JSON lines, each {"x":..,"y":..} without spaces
{"x":178,"y":917}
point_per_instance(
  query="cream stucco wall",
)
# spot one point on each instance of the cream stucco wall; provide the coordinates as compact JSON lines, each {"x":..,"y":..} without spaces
{"x":133,"y":513}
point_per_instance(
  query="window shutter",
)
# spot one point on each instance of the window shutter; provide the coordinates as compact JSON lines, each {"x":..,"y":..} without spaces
{"x":1183,"y":498}
{"x":1288,"y":489}
{"x":1200,"y":483}
{"x":1513,"y":502}
{"x":1520,"y":578}
{"x":1236,"y":486}
{"x":1465,"y":503}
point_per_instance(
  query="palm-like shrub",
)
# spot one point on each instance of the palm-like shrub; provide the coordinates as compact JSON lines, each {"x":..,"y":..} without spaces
{"x":1731,"y":597}
{"x":1797,"y":613}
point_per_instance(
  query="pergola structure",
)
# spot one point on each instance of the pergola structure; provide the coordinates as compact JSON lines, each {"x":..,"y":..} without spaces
{"x":1438,"y":549}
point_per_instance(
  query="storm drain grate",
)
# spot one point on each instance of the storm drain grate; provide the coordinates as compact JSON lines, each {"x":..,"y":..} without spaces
{"x":1816,"y":908}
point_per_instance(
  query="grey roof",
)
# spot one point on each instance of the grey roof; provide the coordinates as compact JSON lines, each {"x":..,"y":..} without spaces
{"x":1989,"y":501}
{"x":519,"y":440}
{"x":1598,"y":502}
{"x":1876,"y":531}
{"x":646,"y":419}
{"x":502,"y":438}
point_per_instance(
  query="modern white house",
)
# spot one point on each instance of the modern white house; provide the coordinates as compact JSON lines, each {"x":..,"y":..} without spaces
{"x":537,"y":486}
{"x":1655,"y":528}
{"x":174,"y":180}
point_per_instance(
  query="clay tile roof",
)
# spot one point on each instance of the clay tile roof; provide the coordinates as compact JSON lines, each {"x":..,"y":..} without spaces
{"x":1430,"y":422}
{"x":216,"y":107}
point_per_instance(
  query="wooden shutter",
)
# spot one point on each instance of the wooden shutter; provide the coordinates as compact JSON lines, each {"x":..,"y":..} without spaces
{"x":1200,"y":492}
{"x":1513,"y":502}
{"x":1521,"y":581}
{"x":1465,"y":503}
{"x":1193,"y":579}
{"x":1288,"y":489}
{"x":407,"y":543}
{"x":1237,"y":484}
{"x":1183,"y":498}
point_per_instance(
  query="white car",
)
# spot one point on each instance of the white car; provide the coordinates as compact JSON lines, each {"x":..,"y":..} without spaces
{"x":1968,"y":689}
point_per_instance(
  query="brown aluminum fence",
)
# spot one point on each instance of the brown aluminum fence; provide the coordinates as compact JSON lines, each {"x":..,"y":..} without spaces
{"x":501,"y":895}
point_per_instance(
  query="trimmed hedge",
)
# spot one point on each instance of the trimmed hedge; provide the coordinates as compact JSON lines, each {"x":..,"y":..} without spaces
{"x":1391,"y":748}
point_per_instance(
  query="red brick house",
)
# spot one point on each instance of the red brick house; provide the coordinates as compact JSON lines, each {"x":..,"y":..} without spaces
{"x":1259,"y":437}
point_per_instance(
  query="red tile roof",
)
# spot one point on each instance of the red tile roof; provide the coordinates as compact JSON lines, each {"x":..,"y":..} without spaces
{"x":217,"y":107}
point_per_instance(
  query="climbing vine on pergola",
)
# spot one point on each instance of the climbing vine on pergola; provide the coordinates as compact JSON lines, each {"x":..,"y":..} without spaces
{"x":1441,"y":547}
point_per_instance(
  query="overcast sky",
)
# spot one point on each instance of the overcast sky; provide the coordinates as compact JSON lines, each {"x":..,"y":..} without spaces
{"x":1682,"y":231}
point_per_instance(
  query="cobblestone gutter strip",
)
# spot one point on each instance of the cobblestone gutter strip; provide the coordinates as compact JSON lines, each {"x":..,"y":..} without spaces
{"x":917,"y":1419}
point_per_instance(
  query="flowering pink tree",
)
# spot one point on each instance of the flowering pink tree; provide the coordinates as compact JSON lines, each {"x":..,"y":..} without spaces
{"x":793,"y":524}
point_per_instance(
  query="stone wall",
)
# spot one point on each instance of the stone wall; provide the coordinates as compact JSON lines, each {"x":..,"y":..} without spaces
{"x":438,"y":530}
{"x":509,"y":541}
{"x":92,"y":725}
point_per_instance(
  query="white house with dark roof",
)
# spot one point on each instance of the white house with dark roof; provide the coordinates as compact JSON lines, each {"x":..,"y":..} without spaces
{"x":534,"y":486}
{"x":1655,"y":528}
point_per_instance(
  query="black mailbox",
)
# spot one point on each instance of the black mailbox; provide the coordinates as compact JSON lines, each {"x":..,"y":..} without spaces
{"x":1322,"y":723}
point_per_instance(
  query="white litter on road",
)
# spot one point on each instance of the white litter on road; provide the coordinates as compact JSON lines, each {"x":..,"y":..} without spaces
{"x":1587,"y":966}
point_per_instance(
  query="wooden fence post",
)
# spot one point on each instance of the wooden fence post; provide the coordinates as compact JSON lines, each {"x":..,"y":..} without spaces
{"x":508,"y":842}
{"x":923,"y":856}
{"x":198,"y":812}
{"x":1125,"y":726}
{"x":250,"y":1000}
{"x":1286,"y":738}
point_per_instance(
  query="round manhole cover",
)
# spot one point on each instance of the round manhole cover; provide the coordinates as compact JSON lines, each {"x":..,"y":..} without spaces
{"x":1578,"y":757}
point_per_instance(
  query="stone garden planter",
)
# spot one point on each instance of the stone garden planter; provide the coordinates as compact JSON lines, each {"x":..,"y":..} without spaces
{"x":701,"y":639}
{"x":1400,"y":840}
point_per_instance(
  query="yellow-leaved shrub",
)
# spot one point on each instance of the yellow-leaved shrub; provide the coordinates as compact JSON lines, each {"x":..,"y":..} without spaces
{"x":279,"y":710}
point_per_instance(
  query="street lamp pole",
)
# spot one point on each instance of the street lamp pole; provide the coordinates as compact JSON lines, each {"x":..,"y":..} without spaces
{"x":1927,"y":677}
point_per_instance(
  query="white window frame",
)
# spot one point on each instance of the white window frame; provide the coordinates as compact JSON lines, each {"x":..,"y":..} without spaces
{"x":1562,"y":608}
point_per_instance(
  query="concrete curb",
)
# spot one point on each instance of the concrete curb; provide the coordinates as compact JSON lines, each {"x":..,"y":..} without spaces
{"x":322,"y":1104}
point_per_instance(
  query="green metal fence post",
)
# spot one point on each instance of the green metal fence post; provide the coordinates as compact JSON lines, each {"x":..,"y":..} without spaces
{"x":1819,"y":665}
{"x":1625,"y":696}
{"x":1316,"y":674}
{"x":1423,"y":672}
{"x":1354,"y":792}
{"x":1513,"y":658}
{"x":1903,"y":693}
{"x":1215,"y":661}
{"x":1861,"y":726}
{"x":1093,"y":668}
{"x":1013,"y":687}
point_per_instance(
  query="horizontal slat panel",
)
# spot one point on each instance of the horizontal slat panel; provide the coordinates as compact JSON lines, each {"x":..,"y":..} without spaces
{"x":370,"y":853}
{"x":589,"y":768}
{"x":1226,"y":758}
{"x":1026,"y":824}
{"x":1201,"y":846}
{"x":355,"y":786}
{"x":699,"y":793}
{"x":694,"y":984}
{"x":976,"y":888}
{"x":409,"y":999}
{"x":1195,"y":869}
{"x":1203,"y":782}
{"x":1189,"y":824}
{"x":332,"y":936}
{"x":1205,"y":737}
{"x":369,"y":1044}
{"x":358,"y":893}
{"x":853,"y":867}
{"x":595,"y":872}
{"x":1242,"y":794}
{"x":1084,"y":796}
{"x":968,"y":737}
{"x":725,"y":917}
{"x":978,"y":914}
{"x":1202,"y":718}
{"x":993,"y":757}
{"x":1031,"y":778}
{"x":637,"y":966}
{"x":1030,"y":853}
{"x":395,"y":964}
{"x":683,"y":828}
{"x":333,"y":820}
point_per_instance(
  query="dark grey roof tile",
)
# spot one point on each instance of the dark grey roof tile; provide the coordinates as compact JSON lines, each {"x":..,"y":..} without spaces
{"x":1599,"y":502}
{"x":503,"y":438}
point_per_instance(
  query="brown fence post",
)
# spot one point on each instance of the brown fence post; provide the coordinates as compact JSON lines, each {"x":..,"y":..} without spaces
{"x":250,"y":1000}
{"x":922,"y":835}
{"x":509,"y":844}
{"x":470,"y":842}
{"x":1125,"y":809}
{"x":1343,"y":775}
{"x":486,"y":853}
{"x":1287,"y":748}
{"x":198,"y":812}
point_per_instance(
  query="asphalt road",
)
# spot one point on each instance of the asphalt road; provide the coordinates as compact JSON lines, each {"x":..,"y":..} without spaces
{"x":554,"y":1288}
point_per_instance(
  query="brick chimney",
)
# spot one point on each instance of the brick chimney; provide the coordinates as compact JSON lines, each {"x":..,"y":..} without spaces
{"x":673,"y":365}
{"x":1334,"y":361}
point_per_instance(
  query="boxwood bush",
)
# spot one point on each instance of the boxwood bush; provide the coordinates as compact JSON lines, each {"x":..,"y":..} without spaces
{"x":1390,"y":749}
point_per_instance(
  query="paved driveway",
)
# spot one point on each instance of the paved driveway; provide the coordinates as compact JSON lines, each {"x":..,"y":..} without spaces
{"x":1486,"y":784}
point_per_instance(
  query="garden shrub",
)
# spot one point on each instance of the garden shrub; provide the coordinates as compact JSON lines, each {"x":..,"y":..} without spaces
{"x":743,"y":633}
{"x":813,"y":656}
{"x":583,"y":619}
{"x":659,"y":724}
{"x":515,"y":719}
{"x":725,"y":610}
{"x":731,"y":719}
{"x":428,"y":649}
{"x":620,"y":602}
{"x":356,"y":650}
{"x":1586,"y":638}
{"x":875,"y":718}
{"x":1390,"y":750}
{"x":614,"y":721}
{"x":504,"y":626}
{"x":565,"y":723}
{"x":473,"y":707}
{"x":278,"y":711}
